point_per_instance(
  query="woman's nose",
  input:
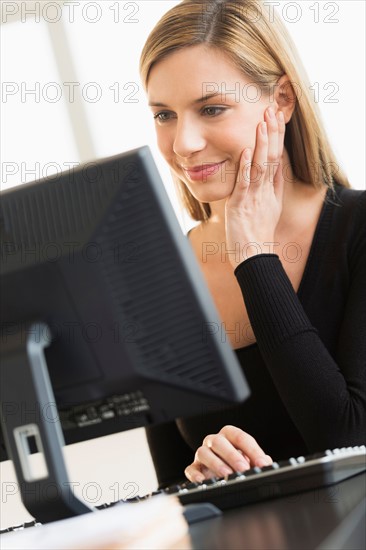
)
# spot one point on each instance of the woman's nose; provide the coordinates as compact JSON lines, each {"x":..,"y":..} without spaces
{"x":188,"y":138}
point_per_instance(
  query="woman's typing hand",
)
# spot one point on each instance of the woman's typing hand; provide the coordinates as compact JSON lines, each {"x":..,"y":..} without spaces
{"x":226,"y":452}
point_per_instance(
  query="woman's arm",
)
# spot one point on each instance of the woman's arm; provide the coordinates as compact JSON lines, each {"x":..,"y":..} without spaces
{"x":169,"y":452}
{"x":324,"y":395}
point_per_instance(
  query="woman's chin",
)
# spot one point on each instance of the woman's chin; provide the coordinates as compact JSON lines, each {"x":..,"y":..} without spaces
{"x":211,"y":196}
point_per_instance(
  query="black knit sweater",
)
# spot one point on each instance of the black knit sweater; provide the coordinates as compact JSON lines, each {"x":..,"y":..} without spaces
{"x":307,"y":370}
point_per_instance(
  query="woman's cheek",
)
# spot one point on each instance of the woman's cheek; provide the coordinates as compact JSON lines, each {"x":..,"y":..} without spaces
{"x":240,"y":138}
{"x":241,"y":129}
{"x":162,"y":143}
{"x":164,"y":140}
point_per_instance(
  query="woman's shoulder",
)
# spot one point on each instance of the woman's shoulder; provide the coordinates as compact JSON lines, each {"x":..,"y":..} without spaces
{"x":347,"y":197}
{"x":348,"y":212}
{"x":346,"y":205}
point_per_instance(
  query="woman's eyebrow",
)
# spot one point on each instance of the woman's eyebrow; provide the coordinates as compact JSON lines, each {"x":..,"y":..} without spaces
{"x":199,"y":100}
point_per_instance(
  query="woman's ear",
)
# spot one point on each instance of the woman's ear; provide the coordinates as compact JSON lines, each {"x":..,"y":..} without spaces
{"x":286,"y":96}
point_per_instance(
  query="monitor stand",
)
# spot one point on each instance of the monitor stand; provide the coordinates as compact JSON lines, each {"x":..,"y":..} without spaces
{"x":30,"y":424}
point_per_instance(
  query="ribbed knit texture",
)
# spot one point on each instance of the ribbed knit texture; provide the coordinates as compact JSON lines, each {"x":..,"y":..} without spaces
{"x":267,"y":293}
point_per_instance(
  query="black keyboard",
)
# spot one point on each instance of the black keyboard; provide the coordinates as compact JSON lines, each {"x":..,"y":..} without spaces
{"x":282,"y":478}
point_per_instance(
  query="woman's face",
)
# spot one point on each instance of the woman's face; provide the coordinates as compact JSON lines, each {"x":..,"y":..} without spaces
{"x":202,"y":138}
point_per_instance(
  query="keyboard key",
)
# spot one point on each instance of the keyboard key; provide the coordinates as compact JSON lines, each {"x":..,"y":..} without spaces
{"x":211,"y":481}
{"x":314,"y":456}
{"x":253,"y":471}
{"x":30,"y":524}
{"x":189,"y":485}
{"x":240,"y":488}
{"x":235,"y":475}
{"x":268,"y":468}
{"x":172,"y":489}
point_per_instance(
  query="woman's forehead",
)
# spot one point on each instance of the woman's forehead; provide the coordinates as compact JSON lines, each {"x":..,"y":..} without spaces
{"x":199,"y":70}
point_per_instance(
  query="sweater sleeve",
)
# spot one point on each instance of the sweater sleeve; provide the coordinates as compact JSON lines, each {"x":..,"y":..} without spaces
{"x":324,"y":395}
{"x":169,"y":452}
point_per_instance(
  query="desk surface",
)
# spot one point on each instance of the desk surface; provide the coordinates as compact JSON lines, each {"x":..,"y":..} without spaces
{"x":331,"y":518}
{"x":328,"y":518}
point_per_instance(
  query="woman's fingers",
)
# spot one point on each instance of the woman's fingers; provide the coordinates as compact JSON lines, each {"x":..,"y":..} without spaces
{"x":260,"y":157}
{"x":221,"y":454}
{"x":273,"y":156}
{"x":229,"y":455}
{"x":253,"y":210}
{"x":196,"y":472}
{"x":281,"y":133}
{"x":260,"y":167}
{"x":247,"y":444}
{"x":252,"y":169}
{"x":214,"y":462}
{"x":238,"y":196}
{"x":278,"y":182}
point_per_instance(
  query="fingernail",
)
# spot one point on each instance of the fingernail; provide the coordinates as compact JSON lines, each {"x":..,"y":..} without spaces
{"x":224,"y":471}
{"x":240,"y":466}
{"x":264,"y":461}
{"x":264,"y":128}
{"x":281,"y":116}
{"x":199,"y":478}
{"x":270,"y":112}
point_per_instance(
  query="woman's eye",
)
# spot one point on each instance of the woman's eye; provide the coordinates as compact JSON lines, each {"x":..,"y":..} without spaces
{"x":210,"y":111}
{"x":163,"y":116}
{"x":213,"y":111}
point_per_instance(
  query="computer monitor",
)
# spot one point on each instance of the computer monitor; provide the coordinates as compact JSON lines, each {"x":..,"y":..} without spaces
{"x":106,"y":322}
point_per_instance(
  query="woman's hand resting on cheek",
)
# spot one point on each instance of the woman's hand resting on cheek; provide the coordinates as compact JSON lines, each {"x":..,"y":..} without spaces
{"x":226,"y":452}
{"x":255,"y":205}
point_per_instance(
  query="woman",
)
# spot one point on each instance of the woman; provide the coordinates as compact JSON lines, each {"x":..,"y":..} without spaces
{"x":281,"y":239}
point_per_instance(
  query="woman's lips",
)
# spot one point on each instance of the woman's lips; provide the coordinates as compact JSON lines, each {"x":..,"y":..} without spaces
{"x":203,"y":171}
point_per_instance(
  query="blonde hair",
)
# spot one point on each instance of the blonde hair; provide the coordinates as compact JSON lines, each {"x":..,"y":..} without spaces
{"x":257,"y":42}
